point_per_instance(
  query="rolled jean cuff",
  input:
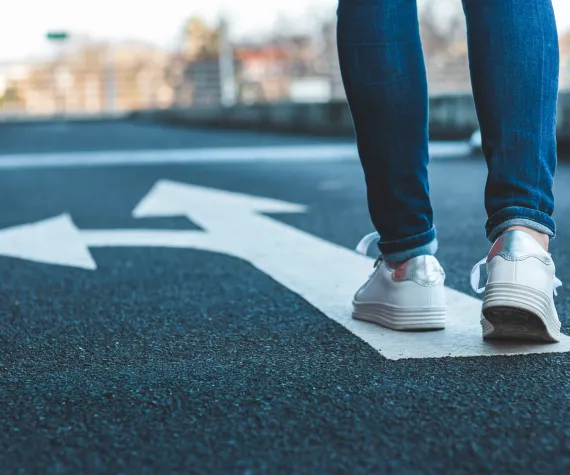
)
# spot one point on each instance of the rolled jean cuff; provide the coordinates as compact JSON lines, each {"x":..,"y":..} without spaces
{"x":407,"y":248}
{"x":519,"y":216}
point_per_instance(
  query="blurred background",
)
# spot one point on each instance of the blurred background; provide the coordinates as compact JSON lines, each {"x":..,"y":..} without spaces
{"x":72,"y":58}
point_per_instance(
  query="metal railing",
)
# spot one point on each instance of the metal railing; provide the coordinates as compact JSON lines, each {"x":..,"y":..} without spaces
{"x":80,"y":87}
{"x":47,"y":89}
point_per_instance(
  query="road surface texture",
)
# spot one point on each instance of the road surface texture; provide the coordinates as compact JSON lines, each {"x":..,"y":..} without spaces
{"x":166,"y":360}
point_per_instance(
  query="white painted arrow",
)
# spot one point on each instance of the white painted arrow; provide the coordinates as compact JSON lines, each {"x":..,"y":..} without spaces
{"x":52,"y":241}
{"x":58,"y":241}
{"x":325,"y":274}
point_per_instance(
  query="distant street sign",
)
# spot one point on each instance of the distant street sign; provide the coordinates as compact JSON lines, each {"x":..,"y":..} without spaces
{"x":57,"y":35}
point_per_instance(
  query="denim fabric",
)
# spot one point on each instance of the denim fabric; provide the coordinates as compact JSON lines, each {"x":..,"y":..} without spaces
{"x":513,"y":58}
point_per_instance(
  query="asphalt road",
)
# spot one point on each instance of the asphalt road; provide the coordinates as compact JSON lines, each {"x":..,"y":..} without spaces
{"x":185,"y":361}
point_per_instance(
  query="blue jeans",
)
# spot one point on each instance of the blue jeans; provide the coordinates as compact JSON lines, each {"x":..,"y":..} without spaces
{"x":513,"y":59}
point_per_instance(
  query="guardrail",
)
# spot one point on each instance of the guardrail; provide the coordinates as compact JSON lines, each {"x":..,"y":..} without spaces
{"x":451,"y":117}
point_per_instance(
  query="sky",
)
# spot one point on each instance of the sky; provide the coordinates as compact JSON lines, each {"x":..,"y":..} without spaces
{"x":23,"y":23}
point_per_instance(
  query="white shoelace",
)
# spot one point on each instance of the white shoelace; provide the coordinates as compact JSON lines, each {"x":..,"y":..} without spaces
{"x":366,"y":242}
{"x":476,"y":278}
{"x":364,"y":245}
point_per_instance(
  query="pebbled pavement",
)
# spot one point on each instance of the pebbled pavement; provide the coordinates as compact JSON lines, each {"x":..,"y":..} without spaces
{"x":181,"y":361}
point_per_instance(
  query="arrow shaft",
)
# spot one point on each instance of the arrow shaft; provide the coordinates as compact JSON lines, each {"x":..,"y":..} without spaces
{"x":324,"y":274}
{"x":327,"y":275}
{"x":146,"y":238}
{"x":300,"y":261}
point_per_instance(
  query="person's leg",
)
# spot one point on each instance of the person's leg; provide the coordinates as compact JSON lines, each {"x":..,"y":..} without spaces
{"x":384,"y":76}
{"x":513,"y":58}
{"x":385,"y":81}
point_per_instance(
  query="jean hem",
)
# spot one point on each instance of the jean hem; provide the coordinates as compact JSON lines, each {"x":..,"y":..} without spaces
{"x":407,"y":248}
{"x":519,"y":216}
{"x":427,"y":249}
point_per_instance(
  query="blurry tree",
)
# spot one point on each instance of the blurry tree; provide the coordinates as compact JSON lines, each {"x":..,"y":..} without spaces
{"x":200,"y":42}
{"x":442,"y":26}
{"x":443,"y":32}
{"x":565,"y":44}
{"x":565,"y":60}
{"x":11,"y":99}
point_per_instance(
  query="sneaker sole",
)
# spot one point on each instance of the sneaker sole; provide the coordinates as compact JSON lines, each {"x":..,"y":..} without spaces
{"x":514,"y":312}
{"x":401,"y":318}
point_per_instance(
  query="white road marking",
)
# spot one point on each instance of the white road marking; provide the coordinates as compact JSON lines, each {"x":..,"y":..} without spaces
{"x":274,"y":154}
{"x":144,"y":238}
{"x":52,"y":241}
{"x":324,"y":274}
{"x":57,"y":241}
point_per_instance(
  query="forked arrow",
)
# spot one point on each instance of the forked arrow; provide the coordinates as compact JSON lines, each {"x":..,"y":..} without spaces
{"x":58,"y":241}
{"x":323,"y":273}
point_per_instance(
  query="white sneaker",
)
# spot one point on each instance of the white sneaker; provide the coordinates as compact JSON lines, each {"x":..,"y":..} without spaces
{"x":411,"y":297}
{"x":518,"y":302}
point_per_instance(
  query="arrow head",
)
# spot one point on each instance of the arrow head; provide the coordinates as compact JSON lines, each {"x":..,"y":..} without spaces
{"x":51,"y":241}
{"x":170,"y":198}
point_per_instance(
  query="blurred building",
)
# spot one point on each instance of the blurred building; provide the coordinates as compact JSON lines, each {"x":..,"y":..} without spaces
{"x":12,"y":100}
{"x":294,"y":67}
{"x":203,"y":81}
{"x":328,"y":59}
{"x":280,"y":69}
{"x":565,"y":61}
{"x":194,"y":72}
{"x":90,"y":77}
{"x":448,"y":74}
{"x":93,"y":78}
{"x":263,"y":72}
